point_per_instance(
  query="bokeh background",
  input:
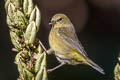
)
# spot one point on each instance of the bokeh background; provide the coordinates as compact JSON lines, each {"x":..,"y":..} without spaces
{"x":97,"y":23}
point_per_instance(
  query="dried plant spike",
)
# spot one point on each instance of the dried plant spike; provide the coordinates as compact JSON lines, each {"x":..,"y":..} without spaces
{"x":23,"y":19}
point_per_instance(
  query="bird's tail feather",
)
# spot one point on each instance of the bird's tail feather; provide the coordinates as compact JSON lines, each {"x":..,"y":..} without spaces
{"x":95,"y":66}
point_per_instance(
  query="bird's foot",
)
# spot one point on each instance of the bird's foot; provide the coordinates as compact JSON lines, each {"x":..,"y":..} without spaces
{"x":50,"y":70}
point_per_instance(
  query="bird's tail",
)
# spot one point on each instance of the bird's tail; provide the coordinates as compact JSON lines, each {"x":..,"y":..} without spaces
{"x":95,"y":66}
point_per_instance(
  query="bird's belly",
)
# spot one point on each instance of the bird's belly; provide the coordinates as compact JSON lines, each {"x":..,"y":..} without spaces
{"x":58,"y":44}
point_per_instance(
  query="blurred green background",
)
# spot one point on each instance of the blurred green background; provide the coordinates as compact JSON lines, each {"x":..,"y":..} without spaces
{"x":97,"y":23}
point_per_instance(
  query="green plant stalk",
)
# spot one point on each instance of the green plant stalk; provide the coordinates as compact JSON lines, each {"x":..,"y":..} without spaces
{"x":23,"y":19}
{"x":117,"y":70}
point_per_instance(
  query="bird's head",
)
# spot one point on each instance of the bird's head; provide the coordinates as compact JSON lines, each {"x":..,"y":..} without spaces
{"x":60,"y":20}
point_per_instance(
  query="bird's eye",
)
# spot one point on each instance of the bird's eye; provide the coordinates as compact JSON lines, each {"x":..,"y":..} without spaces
{"x":59,"y":19}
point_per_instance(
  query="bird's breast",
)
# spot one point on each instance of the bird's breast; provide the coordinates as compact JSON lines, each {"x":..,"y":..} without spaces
{"x":57,"y":43}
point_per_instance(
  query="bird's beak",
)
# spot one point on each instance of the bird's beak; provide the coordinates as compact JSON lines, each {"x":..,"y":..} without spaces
{"x":52,"y":23}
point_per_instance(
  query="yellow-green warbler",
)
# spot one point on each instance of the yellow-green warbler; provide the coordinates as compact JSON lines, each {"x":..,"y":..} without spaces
{"x":64,"y":42}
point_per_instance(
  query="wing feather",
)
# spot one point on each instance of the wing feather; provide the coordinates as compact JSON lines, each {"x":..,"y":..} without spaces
{"x":71,"y":39}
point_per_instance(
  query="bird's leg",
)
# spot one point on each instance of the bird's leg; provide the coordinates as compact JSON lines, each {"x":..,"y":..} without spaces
{"x":50,"y":51}
{"x":50,"y":70}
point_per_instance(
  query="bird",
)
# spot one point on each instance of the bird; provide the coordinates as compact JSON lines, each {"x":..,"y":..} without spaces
{"x":64,"y":42}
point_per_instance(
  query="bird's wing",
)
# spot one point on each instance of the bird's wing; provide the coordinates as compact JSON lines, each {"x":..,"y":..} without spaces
{"x":71,"y":39}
